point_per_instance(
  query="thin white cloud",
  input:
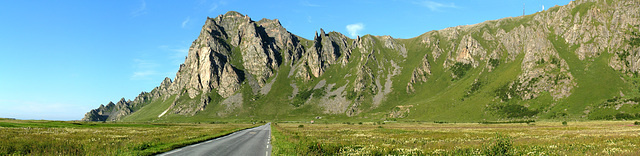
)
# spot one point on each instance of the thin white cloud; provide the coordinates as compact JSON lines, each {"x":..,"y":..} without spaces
{"x":176,"y":54}
{"x":145,"y":64}
{"x":201,"y":2}
{"x":184,"y":23}
{"x":144,"y":69}
{"x":138,"y":75}
{"x":180,"y":52}
{"x":307,"y":3}
{"x":354,"y":29}
{"x":152,"y":68}
{"x":179,"y":56}
{"x":213,"y":7}
{"x":309,"y":19}
{"x":141,"y":10}
{"x":436,"y":6}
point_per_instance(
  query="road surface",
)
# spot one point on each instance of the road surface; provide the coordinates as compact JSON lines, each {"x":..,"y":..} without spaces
{"x":248,"y":142}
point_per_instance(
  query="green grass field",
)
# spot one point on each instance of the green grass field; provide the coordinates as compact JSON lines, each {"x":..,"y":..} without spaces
{"x":38,"y":137}
{"x":540,"y":138}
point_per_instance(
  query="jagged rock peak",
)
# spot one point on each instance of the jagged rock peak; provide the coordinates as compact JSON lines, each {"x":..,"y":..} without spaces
{"x":110,"y":104}
{"x":233,"y":14}
{"x":122,"y":100}
{"x":326,"y":50}
{"x":275,"y":22}
{"x":110,"y":112}
{"x":166,"y":80}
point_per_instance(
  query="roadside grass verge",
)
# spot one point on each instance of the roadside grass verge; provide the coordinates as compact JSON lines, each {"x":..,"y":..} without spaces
{"x":541,"y":138}
{"x":27,"y":137}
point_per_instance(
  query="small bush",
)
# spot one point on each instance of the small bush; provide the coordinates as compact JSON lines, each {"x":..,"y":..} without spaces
{"x":636,"y":123}
{"x":564,"y":123}
{"x":460,"y":69}
{"x":494,"y":62}
{"x":513,"y":110}
{"x":304,"y":95}
{"x":317,"y":148}
{"x":301,"y":98}
{"x":300,"y":126}
{"x":351,"y":95}
{"x":318,"y":92}
{"x":508,"y":122}
{"x":559,"y":115}
{"x":508,"y":91}
{"x":624,"y":116}
{"x":475,"y":87}
{"x":501,"y":146}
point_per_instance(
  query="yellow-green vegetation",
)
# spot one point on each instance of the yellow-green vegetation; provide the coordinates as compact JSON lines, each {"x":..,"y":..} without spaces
{"x":28,"y":137}
{"x":540,"y":138}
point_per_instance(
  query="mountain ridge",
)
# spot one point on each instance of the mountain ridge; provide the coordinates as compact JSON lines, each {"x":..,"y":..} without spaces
{"x":538,"y":66}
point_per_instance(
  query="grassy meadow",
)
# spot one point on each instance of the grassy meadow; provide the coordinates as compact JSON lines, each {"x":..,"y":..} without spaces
{"x":539,"y":138}
{"x":35,"y":137}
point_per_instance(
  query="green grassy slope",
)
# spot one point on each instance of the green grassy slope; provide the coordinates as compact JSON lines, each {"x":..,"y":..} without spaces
{"x":597,"y":81}
{"x":151,"y":111}
{"x":440,"y":98}
{"x":600,"y":92}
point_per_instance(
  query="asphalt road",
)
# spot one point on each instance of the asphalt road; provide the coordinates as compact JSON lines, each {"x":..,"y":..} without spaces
{"x":248,"y":142}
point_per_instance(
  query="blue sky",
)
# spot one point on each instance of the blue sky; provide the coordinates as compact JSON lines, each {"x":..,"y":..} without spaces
{"x":60,"y":59}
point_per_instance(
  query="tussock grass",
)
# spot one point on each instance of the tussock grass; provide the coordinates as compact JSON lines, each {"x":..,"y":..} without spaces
{"x":541,"y":138}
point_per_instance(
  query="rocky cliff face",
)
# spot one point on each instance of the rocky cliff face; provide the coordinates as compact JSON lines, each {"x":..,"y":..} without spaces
{"x":420,"y":74}
{"x":241,"y":68}
{"x":111,"y":112}
{"x":325,"y":51}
